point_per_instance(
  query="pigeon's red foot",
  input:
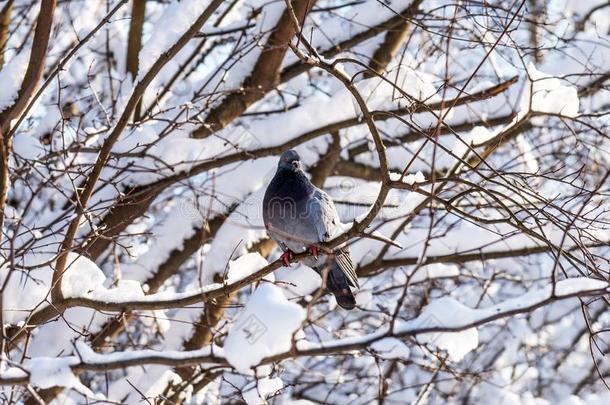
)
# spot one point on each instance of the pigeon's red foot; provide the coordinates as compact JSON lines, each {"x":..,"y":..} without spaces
{"x":313,"y":249}
{"x":287,"y":257}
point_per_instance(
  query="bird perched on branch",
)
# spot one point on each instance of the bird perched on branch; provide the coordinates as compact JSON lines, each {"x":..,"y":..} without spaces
{"x":299,"y":216}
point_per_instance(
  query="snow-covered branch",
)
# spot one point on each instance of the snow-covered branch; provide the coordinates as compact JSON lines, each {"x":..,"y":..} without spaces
{"x":460,"y":155}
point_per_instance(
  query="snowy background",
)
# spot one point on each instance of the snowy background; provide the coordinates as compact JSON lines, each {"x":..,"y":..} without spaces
{"x":473,"y":178}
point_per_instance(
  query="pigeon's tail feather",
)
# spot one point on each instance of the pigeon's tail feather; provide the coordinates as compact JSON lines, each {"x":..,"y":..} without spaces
{"x":343,"y":260}
{"x":338,"y":284}
{"x":345,"y":300}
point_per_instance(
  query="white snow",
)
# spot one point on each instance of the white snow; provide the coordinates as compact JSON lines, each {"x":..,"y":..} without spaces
{"x":262,"y":389}
{"x":379,"y":93}
{"x":83,"y":278}
{"x":577,"y":284}
{"x":475,"y":292}
{"x":11,"y":77}
{"x":176,"y":19}
{"x":528,"y":157}
{"x":52,"y":372}
{"x":8,"y":372}
{"x":265,"y":327}
{"x":476,"y":136}
{"x":20,"y":295}
{"x":160,"y":320}
{"x":391,"y":348}
{"x":443,"y":312}
{"x":446,"y":312}
{"x":436,"y":270}
{"x":409,"y":178}
{"x":449,"y":314}
{"x":545,"y":94}
{"x":364,"y":298}
{"x":87,"y":355}
{"x":182,"y":221}
{"x":268,"y":322}
{"x":244,"y":266}
{"x":168,"y":377}
{"x":47,"y":372}
{"x":481,"y":240}
{"x":298,"y":280}
{"x":125,"y":290}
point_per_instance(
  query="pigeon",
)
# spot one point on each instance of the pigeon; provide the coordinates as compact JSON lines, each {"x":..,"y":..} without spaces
{"x":299,"y":216}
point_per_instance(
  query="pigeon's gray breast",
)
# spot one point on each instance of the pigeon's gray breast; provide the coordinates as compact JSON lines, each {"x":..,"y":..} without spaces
{"x":289,"y":221}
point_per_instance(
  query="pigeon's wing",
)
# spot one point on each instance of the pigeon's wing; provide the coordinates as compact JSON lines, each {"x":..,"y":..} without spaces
{"x":326,"y":220}
{"x":323,"y":214}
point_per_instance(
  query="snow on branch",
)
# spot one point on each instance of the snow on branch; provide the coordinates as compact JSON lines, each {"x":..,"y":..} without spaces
{"x":464,"y":147}
{"x":444,"y":323}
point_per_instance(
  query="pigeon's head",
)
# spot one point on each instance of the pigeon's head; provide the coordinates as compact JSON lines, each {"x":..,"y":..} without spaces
{"x":290,"y":160}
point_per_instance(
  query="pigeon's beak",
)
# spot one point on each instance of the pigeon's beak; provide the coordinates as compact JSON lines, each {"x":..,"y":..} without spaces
{"x":296,"y":164}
